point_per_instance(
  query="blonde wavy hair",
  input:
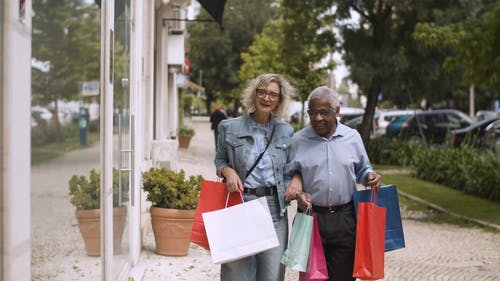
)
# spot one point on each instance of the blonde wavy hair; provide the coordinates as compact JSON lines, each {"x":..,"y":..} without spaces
{"x":287,"y":92}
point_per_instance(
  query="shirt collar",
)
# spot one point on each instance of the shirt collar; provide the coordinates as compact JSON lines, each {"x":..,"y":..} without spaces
{"x":340,"y":131}
{"x":246,"y":127}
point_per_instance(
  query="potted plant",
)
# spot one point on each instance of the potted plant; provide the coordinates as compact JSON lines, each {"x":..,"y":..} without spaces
{"x":85,"y":196}
{"x":174,"y":197}
{"x":184,"y":135}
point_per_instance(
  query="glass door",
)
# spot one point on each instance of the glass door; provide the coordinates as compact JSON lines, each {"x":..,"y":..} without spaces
{"x":122,"y":144}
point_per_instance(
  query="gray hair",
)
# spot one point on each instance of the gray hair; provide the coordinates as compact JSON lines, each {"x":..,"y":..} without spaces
{"x":324,"y":93}
{"x":287,"y":92}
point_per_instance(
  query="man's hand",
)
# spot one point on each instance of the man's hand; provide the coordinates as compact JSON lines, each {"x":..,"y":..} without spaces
{"x":304,"y":201}
{"x":294,"y":188}
{"x":233,"y":182}
{"x":374,"y":180}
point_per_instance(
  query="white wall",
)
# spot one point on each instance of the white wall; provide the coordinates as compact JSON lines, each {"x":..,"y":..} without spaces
{"x":15,"y":150}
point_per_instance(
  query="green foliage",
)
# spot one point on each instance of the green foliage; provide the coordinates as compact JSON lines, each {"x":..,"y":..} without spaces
{"x":169,"y":189}
{"x":41,"y":135}
{"x":264,"y":55}
{"x":218,"y":54}
{"x":383,"y":56}
{"x":475,"y":41}
{"x":294,"y":46}
{"x":66,"y":37}
{"x":85,"y":191}
{"x":465,"y":168}
{"x":392,"y":152}
{"x":188,"y":131}
{"x":445,"y":197}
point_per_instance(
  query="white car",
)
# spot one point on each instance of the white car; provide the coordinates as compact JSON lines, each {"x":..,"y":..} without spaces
{"x":384,"y":117}
{"x":42,"y":116}
{"x":381,"y":120}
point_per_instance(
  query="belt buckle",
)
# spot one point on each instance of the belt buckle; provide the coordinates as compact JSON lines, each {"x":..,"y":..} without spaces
{"x":332,"y":209}
{"x":260,"y":191}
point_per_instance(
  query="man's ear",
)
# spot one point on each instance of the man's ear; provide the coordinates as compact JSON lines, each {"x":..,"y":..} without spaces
{"x":337,"y":111}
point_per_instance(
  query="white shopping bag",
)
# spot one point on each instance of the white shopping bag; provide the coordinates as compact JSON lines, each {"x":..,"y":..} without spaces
{"x":240,"y":231}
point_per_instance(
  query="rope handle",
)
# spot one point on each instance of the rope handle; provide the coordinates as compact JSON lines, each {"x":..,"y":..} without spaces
{"x":227,"y":198}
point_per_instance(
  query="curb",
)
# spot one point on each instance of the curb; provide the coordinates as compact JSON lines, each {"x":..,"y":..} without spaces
{"x":441,"y":209}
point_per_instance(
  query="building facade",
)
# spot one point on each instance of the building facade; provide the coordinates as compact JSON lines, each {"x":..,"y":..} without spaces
{"x":147,"y":122}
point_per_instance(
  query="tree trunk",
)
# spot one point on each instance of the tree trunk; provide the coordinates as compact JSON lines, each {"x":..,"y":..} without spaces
{"x":372,"y":99}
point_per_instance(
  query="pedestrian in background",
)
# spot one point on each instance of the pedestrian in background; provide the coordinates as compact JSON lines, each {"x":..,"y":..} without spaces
{"x":331,"y":159}
{"x":215,"y":118}
{"x":241,"y":142}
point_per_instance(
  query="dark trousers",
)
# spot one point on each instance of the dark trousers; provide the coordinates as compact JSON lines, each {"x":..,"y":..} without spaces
{"x":216,"y":135}
{"x":338,"y":234}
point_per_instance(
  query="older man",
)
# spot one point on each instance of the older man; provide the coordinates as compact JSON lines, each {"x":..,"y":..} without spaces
{"x":331,"y":159}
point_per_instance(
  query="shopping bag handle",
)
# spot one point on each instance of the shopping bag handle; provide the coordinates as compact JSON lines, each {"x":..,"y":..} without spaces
{"x":227,"y":198}
{"x":373,"y":197}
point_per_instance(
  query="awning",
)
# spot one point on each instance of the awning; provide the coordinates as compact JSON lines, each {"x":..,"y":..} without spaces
{"x":194,"y":86}
{"x":215,"y":8}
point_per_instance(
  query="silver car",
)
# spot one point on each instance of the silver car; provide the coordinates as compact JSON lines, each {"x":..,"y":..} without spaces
{"x":492,"y":137}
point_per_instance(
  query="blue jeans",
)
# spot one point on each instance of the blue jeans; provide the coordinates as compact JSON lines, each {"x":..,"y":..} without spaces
{"x":265,"y":266}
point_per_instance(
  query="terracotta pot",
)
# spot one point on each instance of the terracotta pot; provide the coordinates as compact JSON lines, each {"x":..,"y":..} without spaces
{"x":184,"y":140}
{"x":89,"y":222}
{"x":172,"y":230}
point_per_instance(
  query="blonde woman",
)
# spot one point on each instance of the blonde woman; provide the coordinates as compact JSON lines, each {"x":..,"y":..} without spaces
{"x":241,"y":142}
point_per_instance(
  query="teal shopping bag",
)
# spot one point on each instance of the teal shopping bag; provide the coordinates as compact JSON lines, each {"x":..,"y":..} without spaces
{"x":297,"y":255}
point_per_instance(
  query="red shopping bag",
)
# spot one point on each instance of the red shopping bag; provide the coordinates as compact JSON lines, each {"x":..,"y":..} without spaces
{"x":370,"y":241}
{"x":316,"y":268}
{"x":213,"y":196}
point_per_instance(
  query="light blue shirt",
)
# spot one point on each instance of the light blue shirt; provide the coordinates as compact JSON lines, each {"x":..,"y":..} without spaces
{"x":330,"y":168}
{"x":262,"y":174}
{"x":236,"y":141}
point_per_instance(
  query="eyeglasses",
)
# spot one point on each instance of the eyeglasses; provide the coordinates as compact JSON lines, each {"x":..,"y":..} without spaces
{"x":313,"y":113}
{"x":261,"y":93}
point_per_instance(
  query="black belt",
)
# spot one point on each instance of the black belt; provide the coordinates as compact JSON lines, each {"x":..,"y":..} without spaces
{"x":261,"y":191}
{"x":331,"y":209}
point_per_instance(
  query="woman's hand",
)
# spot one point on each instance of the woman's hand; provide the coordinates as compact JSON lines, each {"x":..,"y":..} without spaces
{"x":233,"y":182}
{"x":294,"y":188}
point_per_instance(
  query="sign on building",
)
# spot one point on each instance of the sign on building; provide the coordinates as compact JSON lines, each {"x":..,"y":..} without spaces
{"x":90,"y":88}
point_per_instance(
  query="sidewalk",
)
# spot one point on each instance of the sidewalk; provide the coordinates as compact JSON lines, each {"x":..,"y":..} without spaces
{"x":433,"y":251}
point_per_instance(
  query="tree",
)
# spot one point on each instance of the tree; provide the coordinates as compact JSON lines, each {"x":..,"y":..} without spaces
{"x":294,"y":46}
{"x":66,"y":37}
{"x":475,"y":43}
{"x":216,"y":52}
{"x":383,"y":57}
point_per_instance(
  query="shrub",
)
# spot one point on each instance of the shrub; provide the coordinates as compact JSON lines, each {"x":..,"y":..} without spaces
{"x":169,"y":189}
{"x":186,"y":131}
{"x":85,"y":191}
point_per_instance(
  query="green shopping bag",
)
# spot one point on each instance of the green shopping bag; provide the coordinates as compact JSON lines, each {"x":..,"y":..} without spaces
{"x":297,"y":255}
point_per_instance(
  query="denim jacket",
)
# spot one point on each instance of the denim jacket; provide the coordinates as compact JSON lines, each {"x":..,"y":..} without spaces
{"x":235,"y":143}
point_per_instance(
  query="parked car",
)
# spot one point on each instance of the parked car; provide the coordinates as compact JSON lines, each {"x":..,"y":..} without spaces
{"x":395,"y":125}
{"x":432,"y":127}
{"x":349,"y":113}
{"x":492,"y":137}
{"x":384,"y":117}
{"x":42,"y":115}
{"x":486,"y":114}
{"x":381,"y":120}
{"x":472,"y":135}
